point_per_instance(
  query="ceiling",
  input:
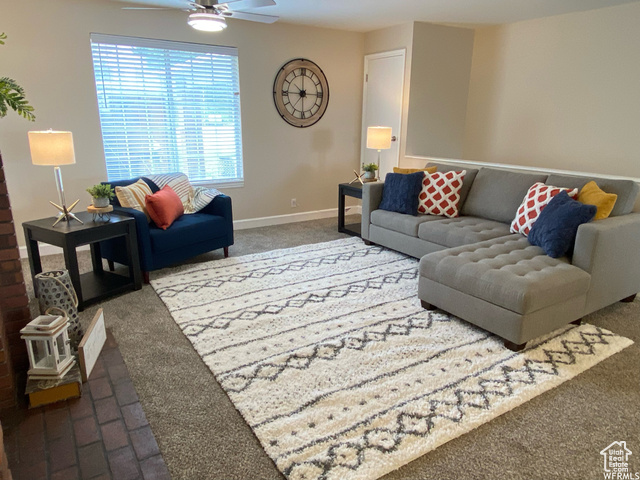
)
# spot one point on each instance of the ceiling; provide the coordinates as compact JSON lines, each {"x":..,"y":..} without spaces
{"x":367,"y":15}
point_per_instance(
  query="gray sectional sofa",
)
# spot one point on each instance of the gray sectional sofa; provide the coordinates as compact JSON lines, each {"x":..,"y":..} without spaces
{"x":474,"y":268}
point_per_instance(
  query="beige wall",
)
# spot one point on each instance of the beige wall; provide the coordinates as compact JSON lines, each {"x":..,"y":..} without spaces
{"x":436,"y":85}
{"x":561,"y":92}
{"x":50,"y":56}
{"x":440,"y":70}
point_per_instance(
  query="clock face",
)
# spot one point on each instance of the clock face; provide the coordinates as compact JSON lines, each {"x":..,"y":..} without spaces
{"x":301,"y":92}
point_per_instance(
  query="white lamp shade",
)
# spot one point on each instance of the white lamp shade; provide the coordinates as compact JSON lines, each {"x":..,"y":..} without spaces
{"x":51,"y":148}
{"x":207,"y":22}
{"x":379,"y":138}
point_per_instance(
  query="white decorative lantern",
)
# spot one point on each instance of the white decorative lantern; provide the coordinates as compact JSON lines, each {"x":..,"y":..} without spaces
{"x":48,"y":346}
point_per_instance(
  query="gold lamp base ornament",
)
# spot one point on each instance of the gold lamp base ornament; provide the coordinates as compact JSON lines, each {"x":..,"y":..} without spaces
{"x":65,"y":213}
{"x":357,"y":179}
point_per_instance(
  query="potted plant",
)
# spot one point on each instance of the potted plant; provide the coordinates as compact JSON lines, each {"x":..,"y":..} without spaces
{"x":369,"y":170}
{"x":101,"y":195}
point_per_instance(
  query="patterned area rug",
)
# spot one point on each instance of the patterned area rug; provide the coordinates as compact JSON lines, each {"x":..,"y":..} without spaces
{"x":326,"y":352}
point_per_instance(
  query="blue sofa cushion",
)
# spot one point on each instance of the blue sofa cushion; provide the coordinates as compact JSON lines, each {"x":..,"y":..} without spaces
{"x":556,"y":228}
{"x":401,"y":192}
{"x":192,"y":228}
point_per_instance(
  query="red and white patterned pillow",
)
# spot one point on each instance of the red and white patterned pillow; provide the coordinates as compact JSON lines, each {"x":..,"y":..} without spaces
{"x":538,"y":197}
{"x":440,"y":194}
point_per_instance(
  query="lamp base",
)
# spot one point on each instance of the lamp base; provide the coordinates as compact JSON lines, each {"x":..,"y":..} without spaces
{"x":65,"y":213}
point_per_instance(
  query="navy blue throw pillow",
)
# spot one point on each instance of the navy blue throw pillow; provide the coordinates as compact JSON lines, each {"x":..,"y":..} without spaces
{"x":401,"y":192}
{"x":557,"y":226}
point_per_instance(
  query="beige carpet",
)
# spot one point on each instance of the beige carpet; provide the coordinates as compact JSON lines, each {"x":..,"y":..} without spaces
{"x":326,"y":352}
{"x":558,"y":434}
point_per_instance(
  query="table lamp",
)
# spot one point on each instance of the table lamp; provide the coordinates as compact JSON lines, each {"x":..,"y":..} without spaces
{"x":51,"y":148}
{"x":379,"y":138}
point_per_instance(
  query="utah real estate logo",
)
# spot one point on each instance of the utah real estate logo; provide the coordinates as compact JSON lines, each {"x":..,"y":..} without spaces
{"x":616,"y":462}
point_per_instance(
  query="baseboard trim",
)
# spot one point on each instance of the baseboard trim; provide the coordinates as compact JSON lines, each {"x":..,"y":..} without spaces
{"x":244,"y":224}
{"x":292,"y":218}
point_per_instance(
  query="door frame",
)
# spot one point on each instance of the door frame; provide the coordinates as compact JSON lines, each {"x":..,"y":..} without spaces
{"x":402,"y":52}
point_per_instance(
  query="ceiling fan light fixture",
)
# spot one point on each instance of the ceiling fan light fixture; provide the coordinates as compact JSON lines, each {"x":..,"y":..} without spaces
{"x":207,"y":22}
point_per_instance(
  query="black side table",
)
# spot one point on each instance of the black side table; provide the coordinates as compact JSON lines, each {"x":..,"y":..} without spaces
{"x":352,"y":190}
{"x":93,"y":286}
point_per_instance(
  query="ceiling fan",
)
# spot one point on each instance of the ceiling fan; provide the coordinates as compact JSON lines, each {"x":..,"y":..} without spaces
{"x":209,"y":15}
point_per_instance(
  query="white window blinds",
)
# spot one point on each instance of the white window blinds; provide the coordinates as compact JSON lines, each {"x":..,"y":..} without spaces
{"x":168,"y":107}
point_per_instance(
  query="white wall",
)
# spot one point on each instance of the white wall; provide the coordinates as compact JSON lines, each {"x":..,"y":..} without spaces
{"x":49,"y":54}
{"x":560,"y":92}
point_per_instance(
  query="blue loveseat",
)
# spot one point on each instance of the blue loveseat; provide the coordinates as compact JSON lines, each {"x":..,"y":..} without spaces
{"x":190,"y":235}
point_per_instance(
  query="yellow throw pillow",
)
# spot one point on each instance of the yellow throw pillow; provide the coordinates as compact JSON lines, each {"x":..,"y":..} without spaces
{"x":591,"y":194}
{"x":414,"y":170}
{"x":132,"y":196}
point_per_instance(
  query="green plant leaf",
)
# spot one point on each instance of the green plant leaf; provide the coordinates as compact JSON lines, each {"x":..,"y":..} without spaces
{"x":100,"y":191}
{"x":12,"y":96}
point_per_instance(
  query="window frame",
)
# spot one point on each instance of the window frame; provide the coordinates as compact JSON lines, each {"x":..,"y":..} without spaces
{"x":129,"y":41}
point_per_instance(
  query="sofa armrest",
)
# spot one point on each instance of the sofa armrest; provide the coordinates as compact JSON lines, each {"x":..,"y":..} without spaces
{"x":371,"y":198}
{"x":221,"y":206}
{"x":609,"y":250}
{"x":142,"y":228}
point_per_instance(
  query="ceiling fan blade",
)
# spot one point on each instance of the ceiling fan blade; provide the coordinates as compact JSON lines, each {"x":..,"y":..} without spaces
{"x":178,"y":4}
{"x":252,"y":17}
{"x":236,"y":5}
{"x":146,"y":8}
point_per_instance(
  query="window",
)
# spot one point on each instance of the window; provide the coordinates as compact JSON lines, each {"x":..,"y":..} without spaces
{"x":168,"y":107}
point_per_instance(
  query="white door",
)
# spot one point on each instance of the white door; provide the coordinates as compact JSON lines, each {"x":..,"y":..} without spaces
{"x":382,"y":105}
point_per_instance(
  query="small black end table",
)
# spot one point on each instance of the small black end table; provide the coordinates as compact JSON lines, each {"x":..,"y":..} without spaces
{"x":352,"y":190}
{"x":93,"y":286}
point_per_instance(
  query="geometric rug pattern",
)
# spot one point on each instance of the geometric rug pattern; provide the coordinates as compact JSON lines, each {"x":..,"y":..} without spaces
{"x":326,"y":352}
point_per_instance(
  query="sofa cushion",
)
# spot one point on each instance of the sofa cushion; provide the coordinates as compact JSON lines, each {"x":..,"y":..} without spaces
{"x":123,"y":183}
{"x":440,"y":193}
{"x":454,"y":232}
{"x":556,"y":228}
{"x":198,"y":227}
{"x":508,"y":272}
{"x":414,"y":170}
{"x":398,"y":222}
{"x":401,"y":191}
{"x":497,"y":194}
{"x":626,"y":190}
{"x":164,"y":207}
{"x":536,"y":199}
{"x":592,"y":194}
{"x":466,"y":183}
{"x":133,"y":196}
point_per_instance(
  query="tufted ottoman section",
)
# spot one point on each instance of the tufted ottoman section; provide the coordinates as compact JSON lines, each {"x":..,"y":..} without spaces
{"x":506,"y":286}
{"x":508,"y":272}
{"x":454,"y":232}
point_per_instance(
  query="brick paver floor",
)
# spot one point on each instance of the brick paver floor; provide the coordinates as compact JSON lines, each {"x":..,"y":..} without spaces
{"x":102,"y":435}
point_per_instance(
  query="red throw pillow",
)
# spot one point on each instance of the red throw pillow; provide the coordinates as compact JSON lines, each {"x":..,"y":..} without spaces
{"x":164,"y":207}
{"x":440,"y":193}
{"x":536,"y":199}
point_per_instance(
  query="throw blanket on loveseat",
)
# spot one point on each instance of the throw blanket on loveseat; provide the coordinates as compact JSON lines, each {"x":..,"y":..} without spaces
{"x":193,"y":198}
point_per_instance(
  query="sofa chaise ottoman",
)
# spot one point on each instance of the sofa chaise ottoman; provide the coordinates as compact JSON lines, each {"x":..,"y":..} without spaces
{"x":473,"y":267}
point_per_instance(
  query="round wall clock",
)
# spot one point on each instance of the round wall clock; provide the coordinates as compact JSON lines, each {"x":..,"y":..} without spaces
{"x":301,"y":92}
